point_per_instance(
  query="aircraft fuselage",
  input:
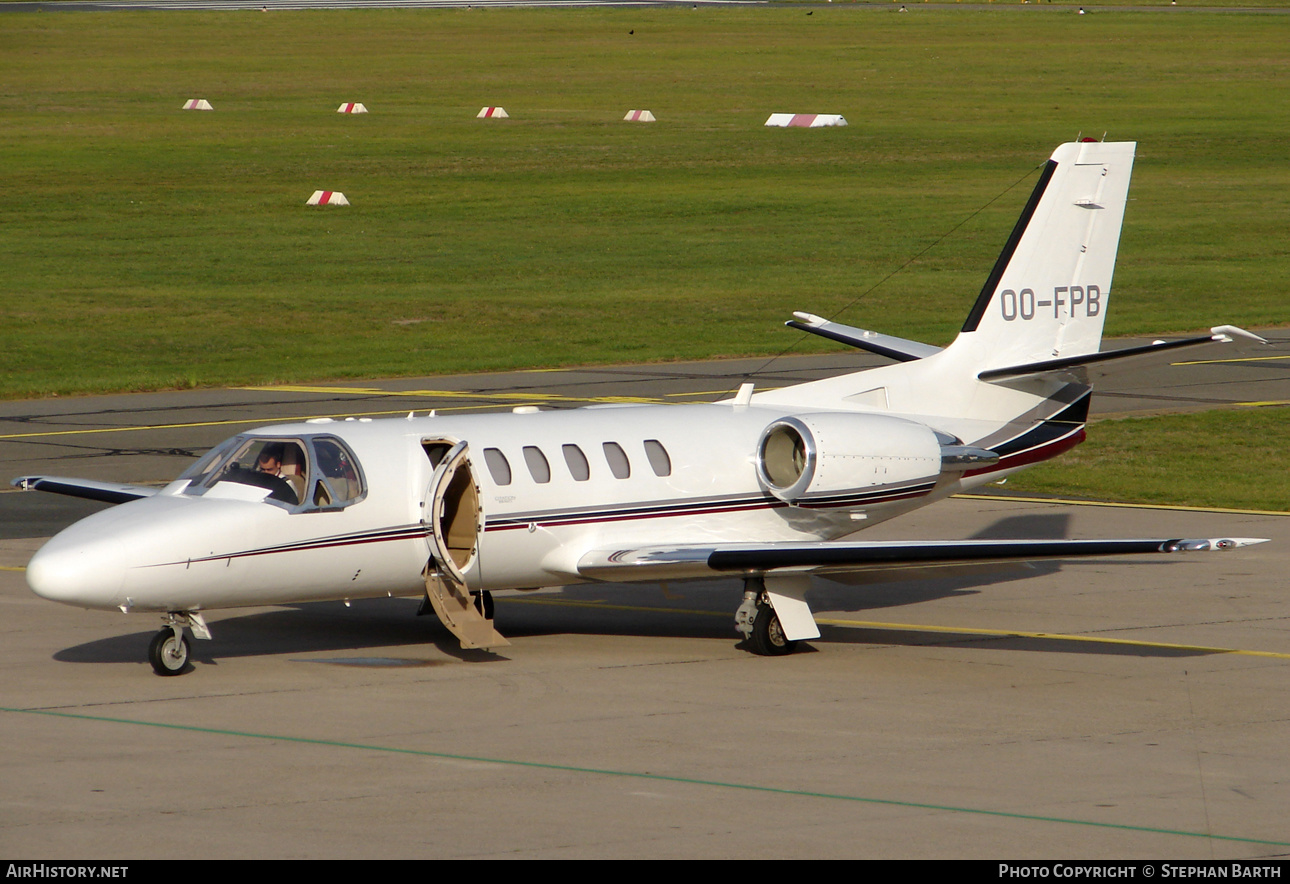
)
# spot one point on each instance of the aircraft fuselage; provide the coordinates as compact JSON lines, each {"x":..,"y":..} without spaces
{"x":578,"y":479}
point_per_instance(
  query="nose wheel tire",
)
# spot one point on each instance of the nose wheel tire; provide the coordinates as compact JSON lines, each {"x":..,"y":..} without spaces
{"x":168,"y":652}
{"x":767,"y":637}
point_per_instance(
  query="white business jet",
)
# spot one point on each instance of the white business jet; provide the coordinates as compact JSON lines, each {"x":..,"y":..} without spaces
{"x":760,"y":486}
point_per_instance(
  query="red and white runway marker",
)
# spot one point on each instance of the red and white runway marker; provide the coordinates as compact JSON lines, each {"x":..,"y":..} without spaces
{"x":806,"y":121}
{"x":328,"y":198}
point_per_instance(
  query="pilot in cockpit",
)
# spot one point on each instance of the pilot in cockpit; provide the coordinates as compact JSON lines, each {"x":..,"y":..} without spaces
{"x":286,"y":462}
{"x":270,"y":459}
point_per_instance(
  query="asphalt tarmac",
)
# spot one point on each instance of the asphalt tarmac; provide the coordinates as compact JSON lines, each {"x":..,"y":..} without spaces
{"x":1118,"y":709}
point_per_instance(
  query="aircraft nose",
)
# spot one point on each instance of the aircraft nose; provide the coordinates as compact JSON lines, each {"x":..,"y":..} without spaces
{"x":85,"y":575}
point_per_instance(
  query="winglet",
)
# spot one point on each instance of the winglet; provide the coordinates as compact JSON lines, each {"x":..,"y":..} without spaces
{"x":1226,"y":331}
{"x":1212,"y":544}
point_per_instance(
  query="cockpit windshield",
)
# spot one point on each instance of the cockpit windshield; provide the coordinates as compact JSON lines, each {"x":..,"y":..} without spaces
{"x":306,"y":472}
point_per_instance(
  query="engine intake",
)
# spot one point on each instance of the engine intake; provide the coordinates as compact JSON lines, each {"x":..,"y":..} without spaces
{"x":829,"y":453}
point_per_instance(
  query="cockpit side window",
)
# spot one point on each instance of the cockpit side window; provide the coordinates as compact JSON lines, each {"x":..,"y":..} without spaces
{"x":279,"y":465}
{"x":200,"y":472}
{"x":311,"y":472}
{"x":338,"y":481}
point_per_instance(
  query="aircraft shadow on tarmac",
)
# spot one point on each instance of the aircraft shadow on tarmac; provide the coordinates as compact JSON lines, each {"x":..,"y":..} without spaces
{"x":703,"y":611}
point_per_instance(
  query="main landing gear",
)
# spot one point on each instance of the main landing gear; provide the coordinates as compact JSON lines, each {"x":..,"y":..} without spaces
{"x":768,"y":639}
{"x":757,"y":620}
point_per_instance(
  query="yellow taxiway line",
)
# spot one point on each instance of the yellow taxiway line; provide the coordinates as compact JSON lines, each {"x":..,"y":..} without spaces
{"x":502,"y":400}
{"x":1111,"y":503}
{"x":263,"y":421}
{"x":1222,"y":361}
{"x":458,"y":394}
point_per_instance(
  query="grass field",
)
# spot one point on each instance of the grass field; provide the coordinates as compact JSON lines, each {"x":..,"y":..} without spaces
{"x":1237,"y":459}
{"x":147,"y":247}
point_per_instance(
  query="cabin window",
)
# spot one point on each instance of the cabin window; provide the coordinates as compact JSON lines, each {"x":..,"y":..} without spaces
{"x":617,"y":460}
{"x":539,"y":469}
{"x":659,"y":462}
{"x":577,"y":463}
{"x":498,"y":466}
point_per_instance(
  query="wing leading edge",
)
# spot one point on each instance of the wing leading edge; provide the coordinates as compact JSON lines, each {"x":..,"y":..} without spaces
{"x":696,"y":561}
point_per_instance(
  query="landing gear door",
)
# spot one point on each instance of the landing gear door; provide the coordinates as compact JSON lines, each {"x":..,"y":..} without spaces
{"x":453,"y":517}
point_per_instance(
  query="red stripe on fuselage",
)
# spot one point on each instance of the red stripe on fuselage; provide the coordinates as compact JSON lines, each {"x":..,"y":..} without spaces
{"x":1033,"y":455}
{"x":716,"y":509}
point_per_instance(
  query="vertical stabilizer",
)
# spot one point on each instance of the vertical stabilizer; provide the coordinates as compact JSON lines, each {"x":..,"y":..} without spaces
{"x":1048,"y":293}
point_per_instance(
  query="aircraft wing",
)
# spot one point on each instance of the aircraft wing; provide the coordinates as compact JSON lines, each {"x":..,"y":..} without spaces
{"x":697,"y":561}
{"x":107,"y":492}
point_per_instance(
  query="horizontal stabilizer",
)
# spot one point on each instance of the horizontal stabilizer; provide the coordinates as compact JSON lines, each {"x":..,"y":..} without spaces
{"x":884,"y":345}
{"x":1088,"y":368}
{"x":106,"y":492}
{"x":680,"y":562}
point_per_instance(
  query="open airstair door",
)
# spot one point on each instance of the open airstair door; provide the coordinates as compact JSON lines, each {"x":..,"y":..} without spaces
{"x":454,"y":521}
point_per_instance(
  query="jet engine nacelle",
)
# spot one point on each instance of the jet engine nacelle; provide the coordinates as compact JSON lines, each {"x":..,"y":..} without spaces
{"x":828,"y":453}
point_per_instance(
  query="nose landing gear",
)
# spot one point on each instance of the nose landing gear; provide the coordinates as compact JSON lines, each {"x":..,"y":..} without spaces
{"x":168,"y":652}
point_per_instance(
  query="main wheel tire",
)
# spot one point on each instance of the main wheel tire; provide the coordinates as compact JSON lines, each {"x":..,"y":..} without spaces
{"x":767,"y":637}
{"x":167,"y":653}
